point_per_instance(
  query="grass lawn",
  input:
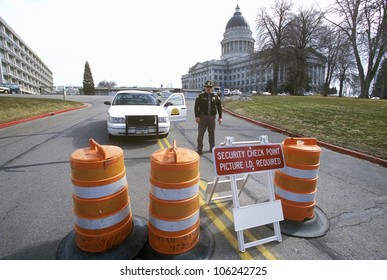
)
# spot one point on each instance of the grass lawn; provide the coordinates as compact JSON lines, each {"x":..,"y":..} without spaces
{"x":14,"y":108}
{"x":358,"y":124}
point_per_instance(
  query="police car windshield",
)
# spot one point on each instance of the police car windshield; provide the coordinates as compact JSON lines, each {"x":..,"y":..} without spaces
{"x":135,"y":99}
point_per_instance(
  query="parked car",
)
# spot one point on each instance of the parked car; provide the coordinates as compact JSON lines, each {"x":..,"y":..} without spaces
{"x":140,"y":113}
{"x":226,"y":92}
{"x":217,"y":90}
{"x":236,"y":92}
{"x":5,"y":89}
{"x":12,"y":87}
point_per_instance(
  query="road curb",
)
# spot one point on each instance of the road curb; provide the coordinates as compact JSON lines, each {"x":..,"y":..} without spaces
{"x":8,"y":124}
{"x":332,"y":147}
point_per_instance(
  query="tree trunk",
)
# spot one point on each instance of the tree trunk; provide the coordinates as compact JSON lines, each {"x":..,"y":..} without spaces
{"x":341,"y":86}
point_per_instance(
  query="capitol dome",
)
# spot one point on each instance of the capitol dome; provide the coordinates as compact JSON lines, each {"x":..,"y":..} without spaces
{"x":237,"y":20}
{"x":237,"y":38}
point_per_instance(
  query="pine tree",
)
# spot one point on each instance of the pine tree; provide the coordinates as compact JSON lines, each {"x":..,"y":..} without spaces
{"x":88,"y":82}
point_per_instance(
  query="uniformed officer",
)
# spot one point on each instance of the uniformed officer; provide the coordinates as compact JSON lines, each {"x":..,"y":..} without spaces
{"x":207,"y":106}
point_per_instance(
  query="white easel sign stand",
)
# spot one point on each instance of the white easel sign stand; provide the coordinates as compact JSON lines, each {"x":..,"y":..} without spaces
{"x":235,"y":158}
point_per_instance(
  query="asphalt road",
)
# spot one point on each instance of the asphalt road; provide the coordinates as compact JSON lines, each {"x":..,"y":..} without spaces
{"x":36,"y":204}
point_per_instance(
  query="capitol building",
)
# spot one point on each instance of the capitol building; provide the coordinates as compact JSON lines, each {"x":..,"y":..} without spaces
{"x":239,"y":66}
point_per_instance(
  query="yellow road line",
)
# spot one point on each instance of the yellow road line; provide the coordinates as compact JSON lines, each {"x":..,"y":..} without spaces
{"x":161,"y":145}
{"x":221,"y":226}
{"x":224,"y":230}
{"x":247,"y":233}
{"x":167,"y":143}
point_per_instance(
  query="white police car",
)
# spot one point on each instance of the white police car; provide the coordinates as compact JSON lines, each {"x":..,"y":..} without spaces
{"x":140,"y":113}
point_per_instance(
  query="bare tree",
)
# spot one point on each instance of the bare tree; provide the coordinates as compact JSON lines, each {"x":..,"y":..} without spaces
{"x":380,"y":86}
{"x":364,"y":22}
{"x":270,"y":29}
{"x":108,"y":84}
{"x":345,"y":65}
{"x":338,"y":56}
{"x":302,"y":40}
{"x":330,"y":43}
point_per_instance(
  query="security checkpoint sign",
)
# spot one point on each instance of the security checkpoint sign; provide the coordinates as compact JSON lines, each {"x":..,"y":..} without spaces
{"x":233,"y":160}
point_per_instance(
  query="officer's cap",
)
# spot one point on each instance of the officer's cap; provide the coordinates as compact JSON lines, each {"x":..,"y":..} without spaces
{"x":208,"y":84}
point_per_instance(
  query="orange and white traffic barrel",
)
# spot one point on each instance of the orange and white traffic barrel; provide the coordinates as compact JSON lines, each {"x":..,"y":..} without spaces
{"x":174,"y":222}
{"x":103,"y":217}
{"x":296,"y":184}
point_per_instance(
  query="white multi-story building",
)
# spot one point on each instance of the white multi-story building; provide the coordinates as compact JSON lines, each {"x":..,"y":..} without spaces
{"x":237,"y":67}
{"x":20,"y":65}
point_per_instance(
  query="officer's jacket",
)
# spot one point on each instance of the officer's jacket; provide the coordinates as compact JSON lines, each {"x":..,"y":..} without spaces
{"x":201,"y":105}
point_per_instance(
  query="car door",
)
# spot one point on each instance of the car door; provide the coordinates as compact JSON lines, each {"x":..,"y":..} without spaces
{"x":176,"y":107}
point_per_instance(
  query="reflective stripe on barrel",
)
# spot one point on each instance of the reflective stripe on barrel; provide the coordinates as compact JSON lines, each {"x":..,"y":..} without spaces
{"x":174,"y":193}
{"x":174,"y":225}
{"x":300,"y":173}
{"x":296,"y":197}
{"x":100,"y":191}
{"x":105,"y":222}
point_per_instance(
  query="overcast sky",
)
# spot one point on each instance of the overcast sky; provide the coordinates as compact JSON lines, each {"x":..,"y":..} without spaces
{"x":134,"y":43}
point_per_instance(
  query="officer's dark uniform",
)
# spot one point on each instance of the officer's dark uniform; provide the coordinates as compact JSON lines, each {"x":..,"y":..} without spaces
{"x":207,"y":105}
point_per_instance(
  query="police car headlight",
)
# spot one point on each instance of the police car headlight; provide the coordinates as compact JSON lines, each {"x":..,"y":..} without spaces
{"x":163,"y":119}
{"x":116,"y":120}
